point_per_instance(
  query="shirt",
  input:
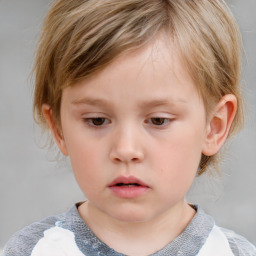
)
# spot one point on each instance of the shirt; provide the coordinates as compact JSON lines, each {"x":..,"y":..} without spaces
{"x":67,"y":234}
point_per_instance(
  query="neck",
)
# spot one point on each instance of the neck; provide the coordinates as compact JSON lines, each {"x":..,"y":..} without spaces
{"x":138,"y":238}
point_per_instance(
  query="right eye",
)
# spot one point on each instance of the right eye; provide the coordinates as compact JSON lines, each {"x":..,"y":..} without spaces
{"x":96,"y":121}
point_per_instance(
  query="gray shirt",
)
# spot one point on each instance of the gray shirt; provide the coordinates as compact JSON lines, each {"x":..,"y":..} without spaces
{"x":189,"y":243}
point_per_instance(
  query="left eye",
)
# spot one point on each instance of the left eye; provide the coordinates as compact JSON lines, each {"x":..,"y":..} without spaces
{"x":159,"y":121}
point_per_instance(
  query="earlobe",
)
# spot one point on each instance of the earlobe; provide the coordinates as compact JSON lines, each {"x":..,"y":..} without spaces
{"x":56,"y":133}
{"x":219,"y":124}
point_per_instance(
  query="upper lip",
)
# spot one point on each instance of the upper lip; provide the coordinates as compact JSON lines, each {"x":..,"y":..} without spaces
{"x":127,"y":180}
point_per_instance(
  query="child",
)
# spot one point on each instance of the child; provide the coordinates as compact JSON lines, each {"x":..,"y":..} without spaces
{"x":141,"y":95}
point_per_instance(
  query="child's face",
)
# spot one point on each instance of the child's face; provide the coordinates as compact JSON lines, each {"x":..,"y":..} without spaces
{"x":140,"y":120}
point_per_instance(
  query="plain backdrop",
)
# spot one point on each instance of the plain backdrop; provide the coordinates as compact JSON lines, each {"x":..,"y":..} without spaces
{"x":32,"y":186}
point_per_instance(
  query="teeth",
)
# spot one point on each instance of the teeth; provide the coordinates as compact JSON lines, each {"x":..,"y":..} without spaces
{"x":127,"y":185}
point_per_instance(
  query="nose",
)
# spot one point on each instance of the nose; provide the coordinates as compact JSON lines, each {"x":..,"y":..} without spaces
{"x":127,"y":147}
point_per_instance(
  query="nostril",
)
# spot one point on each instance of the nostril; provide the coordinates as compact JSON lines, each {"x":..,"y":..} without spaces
{"x":116,"y":159}
{"x":126,"y":155}
{"x":136,"y":160}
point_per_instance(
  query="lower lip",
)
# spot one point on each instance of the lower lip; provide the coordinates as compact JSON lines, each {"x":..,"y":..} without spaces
{"x":129,"y":192}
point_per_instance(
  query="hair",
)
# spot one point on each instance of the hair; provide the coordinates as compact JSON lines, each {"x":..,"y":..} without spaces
{"x":81,"y":37}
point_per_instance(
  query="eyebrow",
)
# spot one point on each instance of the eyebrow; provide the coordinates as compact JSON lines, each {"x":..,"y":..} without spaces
{"x":143,"y":104}
{"x":161,"y":102}
{"x":91,"y":101}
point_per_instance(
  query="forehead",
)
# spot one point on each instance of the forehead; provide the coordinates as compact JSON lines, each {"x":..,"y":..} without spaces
{"x":153,"y":71}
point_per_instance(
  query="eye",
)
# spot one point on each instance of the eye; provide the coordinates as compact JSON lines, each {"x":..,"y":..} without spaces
{"x":159,"y":121}
{"x":96,"y":121}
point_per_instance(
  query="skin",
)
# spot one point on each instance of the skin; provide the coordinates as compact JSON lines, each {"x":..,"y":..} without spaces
{"x":141,"y":116}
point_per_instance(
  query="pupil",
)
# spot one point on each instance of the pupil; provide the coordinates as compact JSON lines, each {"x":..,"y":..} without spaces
{"x":158,"y":121}
{"x":98,"y":121}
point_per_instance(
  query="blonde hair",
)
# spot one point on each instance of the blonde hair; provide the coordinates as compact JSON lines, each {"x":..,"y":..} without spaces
{"x":80,"y":37}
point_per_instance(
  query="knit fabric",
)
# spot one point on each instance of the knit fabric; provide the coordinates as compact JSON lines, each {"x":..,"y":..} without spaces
{"x":67,"y":235}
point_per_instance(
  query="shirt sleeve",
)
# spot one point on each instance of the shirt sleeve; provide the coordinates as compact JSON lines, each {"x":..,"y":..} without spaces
{"x":23,"y":241}
{"x":238,"y":244}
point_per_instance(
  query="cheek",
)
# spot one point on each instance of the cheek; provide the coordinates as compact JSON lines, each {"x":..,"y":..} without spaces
{"x":180,"y":153}
{"x":176,"y":174}
{"x":177,"y":159}
{"x":86,"y":158}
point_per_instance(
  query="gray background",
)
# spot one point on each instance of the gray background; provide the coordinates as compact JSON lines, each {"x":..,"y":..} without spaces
{"x":33,"y":186}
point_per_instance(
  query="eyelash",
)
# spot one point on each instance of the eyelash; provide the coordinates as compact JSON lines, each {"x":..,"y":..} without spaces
{"x":90,"y":121}
{"x":102,"y":121}
{"x":163,"y":121}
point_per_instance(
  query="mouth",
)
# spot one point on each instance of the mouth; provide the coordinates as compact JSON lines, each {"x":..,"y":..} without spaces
{"x":130,"y":181}
{"x":128,"y":187}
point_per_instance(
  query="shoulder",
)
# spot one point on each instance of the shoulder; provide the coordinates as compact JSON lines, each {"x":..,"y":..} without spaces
{"x":239,"y":245}
{"x":23,"y":241}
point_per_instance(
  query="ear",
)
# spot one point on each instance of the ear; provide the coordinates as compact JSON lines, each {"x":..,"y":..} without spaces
{"x":219,"y":124}
{"x":56,"y":133}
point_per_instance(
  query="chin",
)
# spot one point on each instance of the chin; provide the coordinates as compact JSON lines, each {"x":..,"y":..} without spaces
{"x":131,"y":216}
